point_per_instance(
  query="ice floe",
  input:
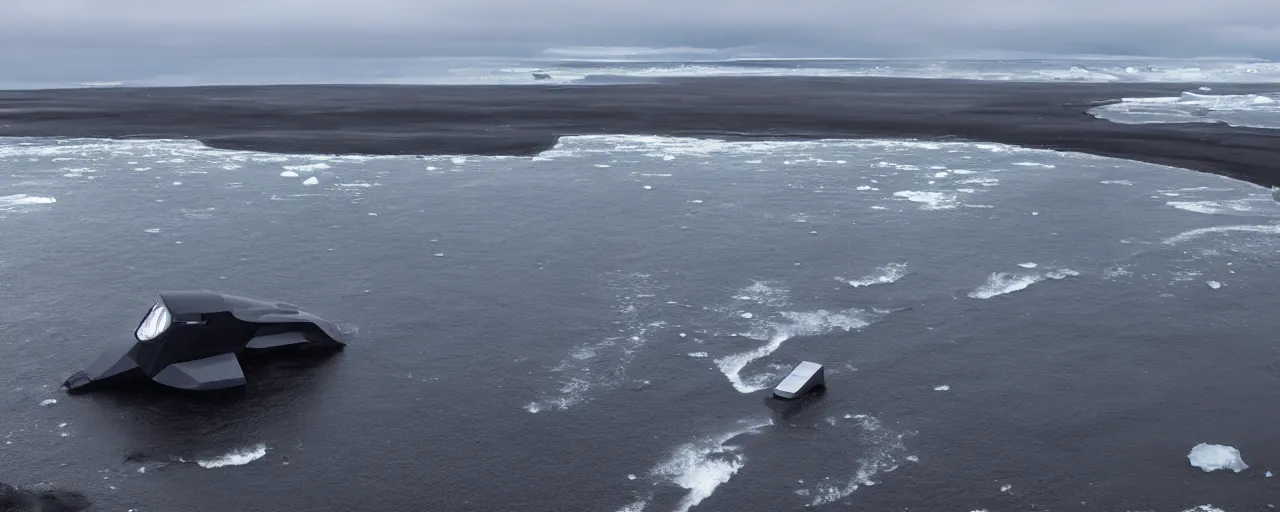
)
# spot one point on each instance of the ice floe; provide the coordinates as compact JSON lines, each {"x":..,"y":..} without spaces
{"x":930,"y":200}
{"x":886,"y":274}
{"x":1214,"y":457}
{"x":1219,"y":207}
{"x":1000,"y":283}
{"x":16,"y":201}
{"x":1266,"y":229}
{"x":238,"y":457}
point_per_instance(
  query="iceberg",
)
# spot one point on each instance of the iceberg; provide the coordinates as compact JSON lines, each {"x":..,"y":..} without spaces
{"x":1213,"y":457}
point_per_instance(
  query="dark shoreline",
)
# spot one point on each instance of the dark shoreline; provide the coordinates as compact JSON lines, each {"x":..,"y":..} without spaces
{"x":525,"y":120}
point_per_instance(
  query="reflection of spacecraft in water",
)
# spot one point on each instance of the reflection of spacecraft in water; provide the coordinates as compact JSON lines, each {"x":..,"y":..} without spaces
{"x":193,"y":339}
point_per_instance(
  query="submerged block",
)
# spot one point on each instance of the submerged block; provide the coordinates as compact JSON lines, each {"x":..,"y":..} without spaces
{"x":803,"y":378}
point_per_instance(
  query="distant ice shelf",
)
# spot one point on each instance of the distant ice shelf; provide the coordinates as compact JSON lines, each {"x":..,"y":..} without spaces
{"x":1239,"y":110}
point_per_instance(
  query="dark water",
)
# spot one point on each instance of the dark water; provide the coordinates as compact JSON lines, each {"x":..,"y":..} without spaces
{"x":484,"y":288}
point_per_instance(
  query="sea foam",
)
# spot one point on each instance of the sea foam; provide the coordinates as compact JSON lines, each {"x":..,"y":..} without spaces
{"x":883,"y":451}
{"x":930,"y":200}
{"x":775,"y":333}
{"x":16,"y":201}
{"x":238,"y":457}
{"x":887,"y":274}
{"x":1000,"y":283}
{"x":1266,"y":229}
{"x":703,"y":465}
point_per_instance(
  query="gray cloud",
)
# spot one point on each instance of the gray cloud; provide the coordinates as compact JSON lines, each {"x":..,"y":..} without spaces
{"x":75,"y":32}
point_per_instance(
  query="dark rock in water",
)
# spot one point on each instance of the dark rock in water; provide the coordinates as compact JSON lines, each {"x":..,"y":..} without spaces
{"x":13,"y":499}
{"x":541,"y":76}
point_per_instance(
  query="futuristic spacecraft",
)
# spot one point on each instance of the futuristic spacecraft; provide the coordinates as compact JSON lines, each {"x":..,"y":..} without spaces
{"x":192,"y":340}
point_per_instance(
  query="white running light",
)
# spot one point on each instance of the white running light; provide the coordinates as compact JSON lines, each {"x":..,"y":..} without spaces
{"x":157,"y":320}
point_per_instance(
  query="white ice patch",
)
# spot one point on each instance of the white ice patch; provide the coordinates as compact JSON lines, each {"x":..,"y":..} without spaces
{"x":48,"y":402}
{"x":1204,"y":508}
{"x":1214,"y":284}
{"x":1240,"y":110}
{"x":1061,"y":273}
{"x":943,"y":387}
{"x":1126,"y":183}
{"x":1266,"y":229}
{"x":288,"y":174}
{"x":1035,"y":164}
{"x":237,"y":457}
{"x":704,"y":464}
{"x":765,"y":293}
{"x":794,"y":324}
{"x":1001,"y":283}
{"x":930,"y":200}
{"x":634,"y":507}
{"x":1214,"y":457}
{"x":698,"y":354}
{"x":1218,"y":207}
{"x":884,"y":275}
{"x":311,"y":181}
{"x":17,"y":201}
{"x":986,"y":182}
{"x":1028,"y":265}
{"x":306,"y":167}
{"x":667,"y":148}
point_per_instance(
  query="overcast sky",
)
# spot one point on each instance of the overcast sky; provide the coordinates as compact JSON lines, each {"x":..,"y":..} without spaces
{"x":72,"y":34}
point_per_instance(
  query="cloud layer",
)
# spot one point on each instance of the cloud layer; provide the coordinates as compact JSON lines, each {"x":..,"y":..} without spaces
{"x":53,"y":37}
{"x":849,"y":27}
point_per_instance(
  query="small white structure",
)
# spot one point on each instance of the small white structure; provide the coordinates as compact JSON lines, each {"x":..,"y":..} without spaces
{"x":803,"y":378}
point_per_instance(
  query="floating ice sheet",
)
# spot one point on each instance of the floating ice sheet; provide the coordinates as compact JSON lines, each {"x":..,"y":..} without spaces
{"x":1215,"y":457}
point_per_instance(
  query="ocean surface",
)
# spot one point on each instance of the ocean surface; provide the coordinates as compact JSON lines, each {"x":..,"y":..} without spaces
{"x":596,"y":326}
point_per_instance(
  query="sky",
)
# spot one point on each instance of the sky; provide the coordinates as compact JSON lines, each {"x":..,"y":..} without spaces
{"x":66,"y":37}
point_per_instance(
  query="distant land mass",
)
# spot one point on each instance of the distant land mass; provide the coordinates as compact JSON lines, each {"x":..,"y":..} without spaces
{"x":528,"y":119}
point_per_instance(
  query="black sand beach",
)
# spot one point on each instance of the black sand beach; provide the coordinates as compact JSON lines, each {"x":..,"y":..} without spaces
{"x":524,"y":120}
